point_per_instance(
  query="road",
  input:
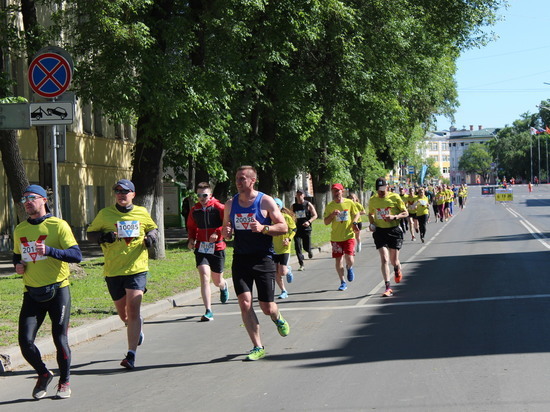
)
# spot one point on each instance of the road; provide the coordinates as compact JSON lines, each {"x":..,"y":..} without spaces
{"x":465,"y":331}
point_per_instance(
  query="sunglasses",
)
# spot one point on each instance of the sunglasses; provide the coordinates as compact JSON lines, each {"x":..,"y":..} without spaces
{"x":122,"y":191}
{"x":203,"y":195}
{"x":30,"y":198}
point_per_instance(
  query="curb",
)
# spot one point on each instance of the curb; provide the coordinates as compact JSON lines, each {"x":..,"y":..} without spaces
{"x":12,"y":358}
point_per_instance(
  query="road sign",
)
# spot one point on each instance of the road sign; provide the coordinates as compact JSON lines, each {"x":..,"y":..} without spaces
{"x":49,"y":74}
{"x":15,"y":116}
{"x":411,"y":170}
{"x":52,"y":113}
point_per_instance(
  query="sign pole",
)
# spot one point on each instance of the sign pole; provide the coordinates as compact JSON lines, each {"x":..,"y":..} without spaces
{"x":54,"y":172}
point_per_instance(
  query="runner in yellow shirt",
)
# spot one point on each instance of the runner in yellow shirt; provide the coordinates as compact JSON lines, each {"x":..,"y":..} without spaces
{"x":342,"y":214}
{"x":385,"y":210}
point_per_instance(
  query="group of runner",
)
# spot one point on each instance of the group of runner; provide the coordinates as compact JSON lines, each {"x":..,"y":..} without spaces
{"x":262,"y":228}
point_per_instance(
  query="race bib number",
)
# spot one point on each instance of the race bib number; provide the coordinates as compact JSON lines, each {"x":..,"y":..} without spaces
{"x":423,"y":202}
{"x":128,"y":228}
{"x":207,"y":247}
{"x":28,"y":252}
{"x":301,"y":214}
{"x":243,"y":221}
{"x":343,"y":216}
{"x":382,"y":214}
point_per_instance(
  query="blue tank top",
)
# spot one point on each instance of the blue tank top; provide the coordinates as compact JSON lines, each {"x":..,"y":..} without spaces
{"x":246,"y":242}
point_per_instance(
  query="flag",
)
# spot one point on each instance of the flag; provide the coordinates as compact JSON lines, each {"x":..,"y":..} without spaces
{"x":547,"y":130}
{"x":532,"y":130}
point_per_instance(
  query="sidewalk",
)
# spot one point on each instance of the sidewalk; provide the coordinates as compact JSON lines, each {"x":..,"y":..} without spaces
{"x":11,"y":358}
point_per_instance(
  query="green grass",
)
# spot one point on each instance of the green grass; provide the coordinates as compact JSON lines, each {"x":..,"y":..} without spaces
{"x":91,"y":300}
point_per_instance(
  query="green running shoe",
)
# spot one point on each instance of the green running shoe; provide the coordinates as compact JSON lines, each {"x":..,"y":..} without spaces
{"x":256,"y":353}
{"x":224,"y":295}
{"x":282,"y":326}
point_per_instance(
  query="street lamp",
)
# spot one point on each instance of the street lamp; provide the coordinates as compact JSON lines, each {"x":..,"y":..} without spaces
{"x":546,"y":141}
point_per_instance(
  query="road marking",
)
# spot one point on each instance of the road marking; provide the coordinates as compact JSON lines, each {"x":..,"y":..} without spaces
{"x":374,"y":291}
{"x":387,"y":302}
{"x":535,"y":232}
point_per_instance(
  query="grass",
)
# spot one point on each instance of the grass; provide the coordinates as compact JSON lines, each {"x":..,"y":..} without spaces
{"x":91,"y":300}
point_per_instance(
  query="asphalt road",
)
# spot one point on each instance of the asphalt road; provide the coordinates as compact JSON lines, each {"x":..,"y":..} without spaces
{"x":465,"y":331}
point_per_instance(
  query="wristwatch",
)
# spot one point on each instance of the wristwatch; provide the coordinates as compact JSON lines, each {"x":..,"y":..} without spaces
{"x":265,"y":230}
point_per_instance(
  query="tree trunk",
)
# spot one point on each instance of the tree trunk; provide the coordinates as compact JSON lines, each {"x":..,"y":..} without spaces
{"x":147,"y":177}
{"x":14,"y":168}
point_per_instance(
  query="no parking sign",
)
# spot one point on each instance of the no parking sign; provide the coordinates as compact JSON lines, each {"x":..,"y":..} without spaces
{"x":50,"y":72}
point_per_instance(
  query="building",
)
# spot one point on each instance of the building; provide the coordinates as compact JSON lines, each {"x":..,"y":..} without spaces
{"x":459,"y":141}
{"x":436,"y":146}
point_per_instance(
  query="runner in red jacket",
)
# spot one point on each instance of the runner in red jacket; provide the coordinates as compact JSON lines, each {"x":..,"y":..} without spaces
{"x":204,"y":225}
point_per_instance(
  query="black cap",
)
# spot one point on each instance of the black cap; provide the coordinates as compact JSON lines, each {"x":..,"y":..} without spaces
{"x":381,"y":184}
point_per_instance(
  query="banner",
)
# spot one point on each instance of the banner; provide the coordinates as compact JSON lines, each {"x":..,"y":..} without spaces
{"x":504,"y":195}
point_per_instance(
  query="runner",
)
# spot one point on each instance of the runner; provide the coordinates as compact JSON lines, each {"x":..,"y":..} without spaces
{"x":126,"y":258}
{"x":44,"y":246}
{"x":282,"y":246}
{"x":404,"y":223}
{"x":204,"y":226}
{"x":410,"y":202}
{"x":385,"y":209}
{"x":254,"y":218}
{"x":361,"y":209}
{"x":305,"y":215}
{"x":422,"y":212}
{"x":342,"y":214}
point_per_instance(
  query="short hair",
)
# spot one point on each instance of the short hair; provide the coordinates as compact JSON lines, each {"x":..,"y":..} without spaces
{"x":246,"y":167}
{"x":203,"y":185}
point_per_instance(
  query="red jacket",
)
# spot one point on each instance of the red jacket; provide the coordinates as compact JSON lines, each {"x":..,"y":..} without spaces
{"x":201,"y":223}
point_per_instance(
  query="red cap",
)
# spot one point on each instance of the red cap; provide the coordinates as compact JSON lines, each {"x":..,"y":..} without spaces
{"x":337,"y":186}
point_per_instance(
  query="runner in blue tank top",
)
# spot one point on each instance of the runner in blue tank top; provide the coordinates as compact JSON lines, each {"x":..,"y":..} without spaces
{"x":254,"y":218}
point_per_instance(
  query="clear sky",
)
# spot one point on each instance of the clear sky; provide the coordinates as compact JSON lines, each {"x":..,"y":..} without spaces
{"x":499,"y":82}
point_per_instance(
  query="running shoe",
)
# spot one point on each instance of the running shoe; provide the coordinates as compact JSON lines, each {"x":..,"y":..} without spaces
{"x":129,"y":361}
{"x":301,"y":269}
{"x":41,"y":386}
{"x":208,"y":316}
{"x":63,"y":391}
{"x":289,"y":275}
{"x":282,"y":326}
{"x":413,"y":239}
{"x":351,"y":275}
{"x":141,"y":334}
{"x":310,"y":254}
{"x":422,"y":239}
{"x":398,"y":275}
{"x":224,"y":294}
{"x":283,"y":295}
{"x":387,"y":293}
{"x":343,"y":286}
{"x":256,"y":353}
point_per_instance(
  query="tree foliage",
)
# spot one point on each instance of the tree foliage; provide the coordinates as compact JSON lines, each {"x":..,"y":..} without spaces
{"x":476,"y":159}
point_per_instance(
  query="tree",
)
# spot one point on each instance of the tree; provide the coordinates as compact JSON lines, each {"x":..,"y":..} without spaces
{"x":476,"y":159}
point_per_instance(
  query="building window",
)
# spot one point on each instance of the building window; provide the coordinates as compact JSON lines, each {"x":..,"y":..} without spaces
{"x":433,"y":146}
{"x":445,"y":170}
{"x":98,"y":124}
{"x":90,"y":209}
{"x":461,"y":143}
{"x":444,"y":146}
{"x":87,"y":118}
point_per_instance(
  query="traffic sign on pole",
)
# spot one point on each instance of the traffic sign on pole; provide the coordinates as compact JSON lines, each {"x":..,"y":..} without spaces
{"x":50,"y":74}
{"x":51,"y":113}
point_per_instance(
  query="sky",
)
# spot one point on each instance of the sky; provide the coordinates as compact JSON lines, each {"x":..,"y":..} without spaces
{"x":499,"y":82}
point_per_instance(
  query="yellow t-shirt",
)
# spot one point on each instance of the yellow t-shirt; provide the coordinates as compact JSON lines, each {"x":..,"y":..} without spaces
{"x":410,"y":201}
{"x":43,"y":270}
{"x":278,"y":245}
{"x":422,"y":206}
{"x":379,"y":207}
{"x":342,"y":225}
{"x":128,"y":254}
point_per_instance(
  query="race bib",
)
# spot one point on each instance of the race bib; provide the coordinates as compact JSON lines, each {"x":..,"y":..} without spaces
{"x":28,"y":251}
{"x":382,"y":214}
{"x":243,"y":221}
{"x":300,"y":214}
{"x":128,"y":228}
{"x":207,"y":247}
{"x":423,"y":202}
{"x":343,"y":216}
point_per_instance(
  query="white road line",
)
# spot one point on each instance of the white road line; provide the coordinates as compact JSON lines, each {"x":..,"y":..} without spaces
{"x":387,"y":302}
{"x":535,"y":232}
{"x":374,"y":291}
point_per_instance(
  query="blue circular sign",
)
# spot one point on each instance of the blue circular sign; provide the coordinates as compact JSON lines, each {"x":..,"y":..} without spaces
{"x":49,"y":75}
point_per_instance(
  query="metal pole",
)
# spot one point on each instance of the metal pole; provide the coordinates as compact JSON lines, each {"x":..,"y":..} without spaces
{"x":54,"y":172}
{"x":547,"y":174}
{"x":540,"y":177}
{"x":531,"y":150}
